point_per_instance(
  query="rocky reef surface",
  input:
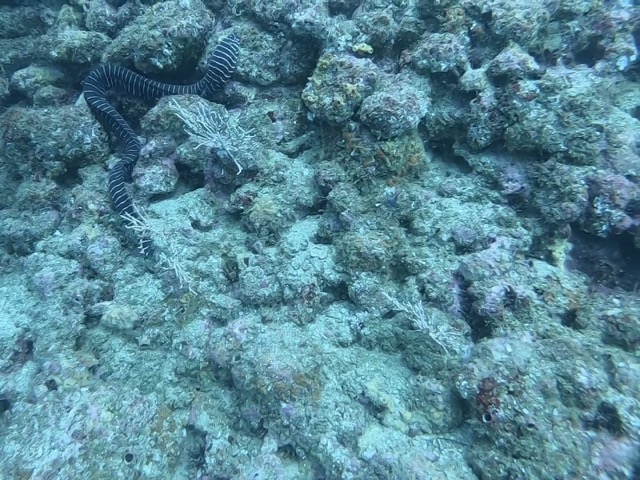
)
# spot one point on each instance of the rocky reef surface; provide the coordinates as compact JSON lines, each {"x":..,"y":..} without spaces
{"x":402,"y":243}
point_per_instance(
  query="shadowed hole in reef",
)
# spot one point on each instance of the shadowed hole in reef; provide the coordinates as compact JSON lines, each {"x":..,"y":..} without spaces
{"x":612,"y":262}
{"x":590,"y":54}
{"x":5,"y":403}
{"x":606,"y":417}
{"x":195,"y":446}
{"x":569,"y":319}
{"x":632,"y":72}
{"x":188,"y":181}
{"x":445,"y":153}
{"x":343,"y":7}
{"x":69,"y":178}
{"x":480,"y":327}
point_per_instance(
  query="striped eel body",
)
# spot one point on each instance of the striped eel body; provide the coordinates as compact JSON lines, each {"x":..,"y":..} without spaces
{"x":99,"y":81}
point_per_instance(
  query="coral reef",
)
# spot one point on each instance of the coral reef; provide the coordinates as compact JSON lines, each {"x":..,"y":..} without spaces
{"x":403,"y":242}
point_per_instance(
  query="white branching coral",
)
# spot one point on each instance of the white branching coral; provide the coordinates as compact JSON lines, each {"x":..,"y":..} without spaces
{"x":439,"y":331}
{"x":221,"y":133}
{"x":170,"y":254}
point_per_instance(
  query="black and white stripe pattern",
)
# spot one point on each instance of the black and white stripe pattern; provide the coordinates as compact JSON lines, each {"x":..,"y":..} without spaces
{"x":220,"y":66}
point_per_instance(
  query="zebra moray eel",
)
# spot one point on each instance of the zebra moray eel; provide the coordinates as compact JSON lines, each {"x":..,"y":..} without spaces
{"x":220,"y":66}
